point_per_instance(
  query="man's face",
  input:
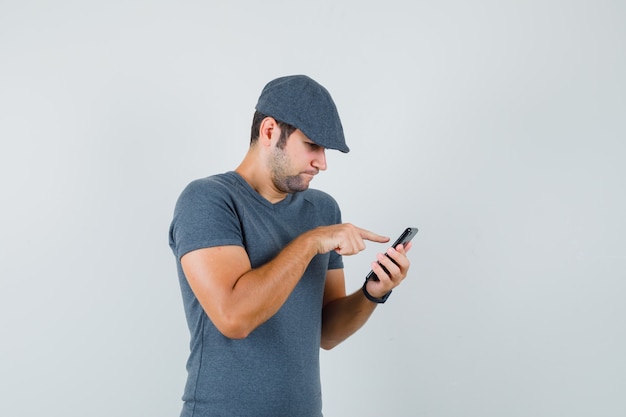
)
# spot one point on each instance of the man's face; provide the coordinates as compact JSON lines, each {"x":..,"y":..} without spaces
{"x":294,"y":165}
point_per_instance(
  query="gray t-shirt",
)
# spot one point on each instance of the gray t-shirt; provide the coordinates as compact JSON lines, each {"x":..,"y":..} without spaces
{"x":273,"y":372}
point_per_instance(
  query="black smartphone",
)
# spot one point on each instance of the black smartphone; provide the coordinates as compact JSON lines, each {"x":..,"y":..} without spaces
{"x":404,"y":238}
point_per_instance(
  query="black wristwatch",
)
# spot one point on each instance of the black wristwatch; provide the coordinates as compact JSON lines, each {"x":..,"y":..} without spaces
{"x":372,"y":298}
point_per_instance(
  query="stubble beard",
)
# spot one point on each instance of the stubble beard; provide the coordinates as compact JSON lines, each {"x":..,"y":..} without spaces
{"x":284,"y":182}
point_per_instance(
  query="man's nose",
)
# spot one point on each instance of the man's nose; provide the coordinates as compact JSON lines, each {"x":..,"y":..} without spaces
{"x":320,"y":160}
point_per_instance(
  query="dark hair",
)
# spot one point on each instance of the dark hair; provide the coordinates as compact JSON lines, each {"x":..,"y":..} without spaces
{"x":285,"y":129}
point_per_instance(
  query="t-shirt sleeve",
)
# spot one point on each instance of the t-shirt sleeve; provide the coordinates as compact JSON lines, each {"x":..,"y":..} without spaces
{"x":204,"y":217}
{"x":335,"y":260}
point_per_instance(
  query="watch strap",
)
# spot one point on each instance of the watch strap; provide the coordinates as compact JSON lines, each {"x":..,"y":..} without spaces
{"x":372,"y":298}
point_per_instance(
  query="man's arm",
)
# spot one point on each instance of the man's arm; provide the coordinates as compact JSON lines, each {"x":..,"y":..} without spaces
{"x":343,"y":315}
{"x":238,"y":298}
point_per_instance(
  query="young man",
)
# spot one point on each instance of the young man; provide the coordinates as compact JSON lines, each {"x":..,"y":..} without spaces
{"x":259,"y":258}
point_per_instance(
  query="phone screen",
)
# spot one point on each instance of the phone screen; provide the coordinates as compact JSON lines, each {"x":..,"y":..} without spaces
{"x":403,"y":239}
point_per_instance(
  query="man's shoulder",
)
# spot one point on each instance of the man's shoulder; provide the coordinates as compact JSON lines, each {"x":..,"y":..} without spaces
{"x":319,"y":198}
{"x":314,"y":193}
{"x":226,"y":179}
{"x":213,"y":189}
{"x":224,"y":182}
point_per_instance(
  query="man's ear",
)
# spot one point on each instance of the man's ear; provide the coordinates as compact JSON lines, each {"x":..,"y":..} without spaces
{"x":269,"y":130}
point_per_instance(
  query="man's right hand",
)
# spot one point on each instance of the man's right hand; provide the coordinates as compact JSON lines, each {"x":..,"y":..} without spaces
{"x":345,"y":239}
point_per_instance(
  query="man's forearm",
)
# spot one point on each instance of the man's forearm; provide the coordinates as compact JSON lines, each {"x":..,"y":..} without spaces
{"x":343,"y":317}
{"x":258,"y":294}
{"x":266,"y":288}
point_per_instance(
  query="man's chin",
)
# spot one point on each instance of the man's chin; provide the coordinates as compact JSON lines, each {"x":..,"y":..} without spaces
{"x":301,"y":184}
{"x":294,"y":184}
{"x":301,"y":187}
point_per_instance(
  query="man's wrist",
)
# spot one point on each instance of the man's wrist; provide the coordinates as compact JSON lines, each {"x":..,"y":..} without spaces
{"x":373,"y":299}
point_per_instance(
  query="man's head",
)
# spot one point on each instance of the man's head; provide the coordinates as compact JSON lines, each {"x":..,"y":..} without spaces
{"x":298,"y":102}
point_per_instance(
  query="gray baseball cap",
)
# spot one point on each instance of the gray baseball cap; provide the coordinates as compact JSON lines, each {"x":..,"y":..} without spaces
{"x":306,"y":105}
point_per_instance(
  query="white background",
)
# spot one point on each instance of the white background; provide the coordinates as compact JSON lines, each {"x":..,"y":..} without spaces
{"x":497,"y":128}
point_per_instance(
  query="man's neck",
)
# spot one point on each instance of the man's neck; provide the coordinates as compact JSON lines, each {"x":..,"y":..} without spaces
{"x":259,"y":179}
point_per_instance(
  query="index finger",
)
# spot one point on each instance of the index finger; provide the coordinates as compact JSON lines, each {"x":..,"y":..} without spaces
{"x":373,"y":237}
